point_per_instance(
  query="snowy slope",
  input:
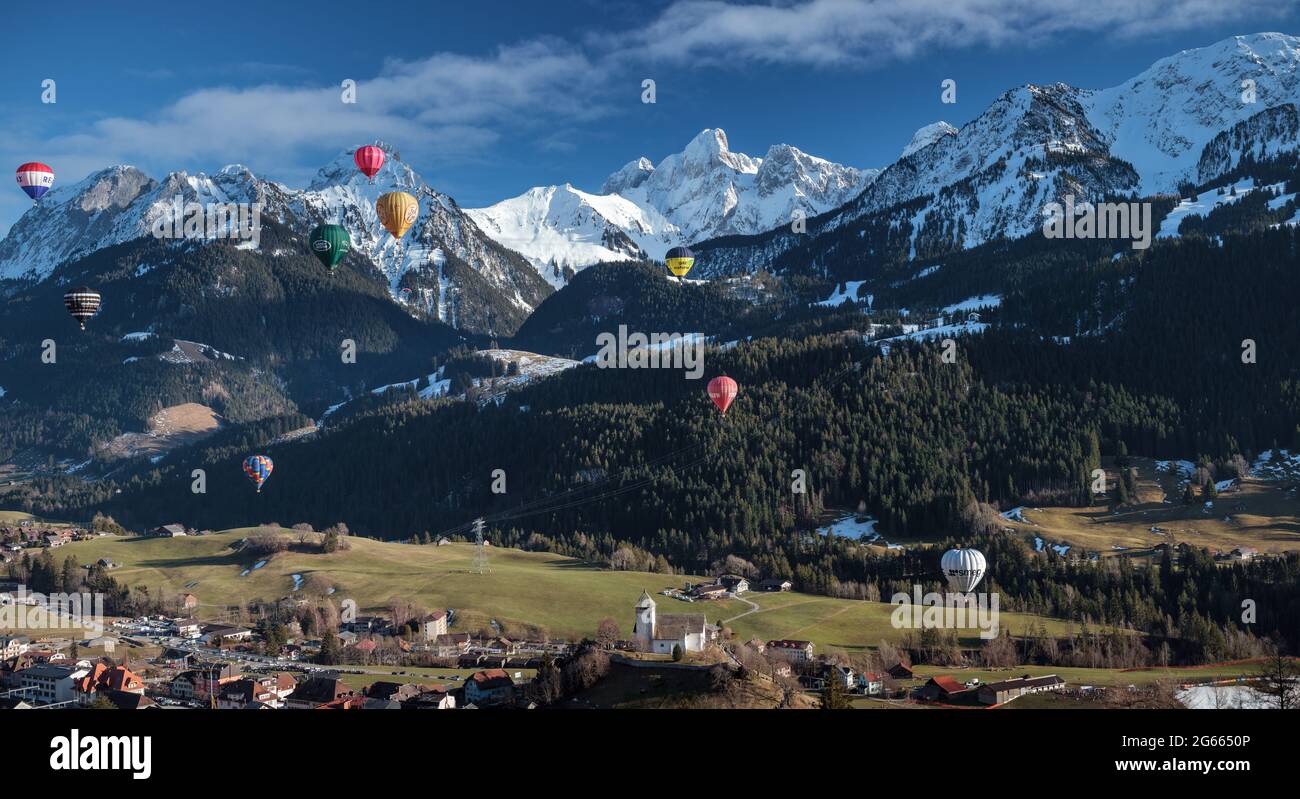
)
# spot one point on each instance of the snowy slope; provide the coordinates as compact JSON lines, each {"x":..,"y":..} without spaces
{"x":704,"y":191}
{"x":122,"y":204}
{"x":560,"y":227}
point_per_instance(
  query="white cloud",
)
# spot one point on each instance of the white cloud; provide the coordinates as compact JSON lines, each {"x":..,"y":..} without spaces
{"x":837,"y":32}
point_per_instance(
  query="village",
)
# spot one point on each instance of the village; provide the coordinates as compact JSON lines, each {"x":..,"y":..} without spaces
{"x":373,"y":662}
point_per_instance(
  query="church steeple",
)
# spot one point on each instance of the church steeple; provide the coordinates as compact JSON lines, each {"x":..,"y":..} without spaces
{"x":643,"y":629}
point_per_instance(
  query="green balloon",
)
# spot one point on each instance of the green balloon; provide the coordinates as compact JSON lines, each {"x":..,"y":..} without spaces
{"x":330,"y":243}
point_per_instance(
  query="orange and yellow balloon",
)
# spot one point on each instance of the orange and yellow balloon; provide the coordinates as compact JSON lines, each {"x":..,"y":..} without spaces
{"x":397,"y":212}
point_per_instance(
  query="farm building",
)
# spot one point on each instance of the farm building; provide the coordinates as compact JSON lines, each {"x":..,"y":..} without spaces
{"x":997,"y":693}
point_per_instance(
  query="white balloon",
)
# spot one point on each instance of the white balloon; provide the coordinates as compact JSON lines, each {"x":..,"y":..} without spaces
{"x":964,"y":569}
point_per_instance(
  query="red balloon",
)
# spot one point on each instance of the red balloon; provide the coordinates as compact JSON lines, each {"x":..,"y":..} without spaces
{"x":722,"y":390}
{"x":369,"y":159}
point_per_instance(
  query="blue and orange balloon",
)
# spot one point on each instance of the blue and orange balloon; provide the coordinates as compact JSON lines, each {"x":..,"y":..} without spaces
{"x":258,"y":468}
{"x":35,"y":178}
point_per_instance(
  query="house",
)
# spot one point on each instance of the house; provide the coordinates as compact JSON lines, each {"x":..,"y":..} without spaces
{"x":106,"y":563}
{"x":757,"y":644}
{"x":124,"y":700}
{"x":433,"y":625}
{"x":775,"y":584}
{"x":13,"y":645}
{"x":240,"y":694}
{"x":393,"y":691}
{"x":53,"y":541}
{"x":189,"y":601}
{"x":997,"y":693}
{"x":105,"y":642}
{"x":436,"y":698}
{"x":713,"y":591}
{"x":793,"y":651}
{"x":734,"y":583}
{"x":47,"y":683}
{"x":662,"y":634}
{"x":202,"y":682}
{"x":282,"y":684}
{"x":169,"y":531}
{"x":221,"y":633}
{"x":498,"y":647}
{"x":320,"y":691}
{"x":451,"y":644}
{"x":490,"y":687}
{"x":367,"y":624}
{"x":941,"y":688}
{"x":186,"y":628}
{"x":869,"y":683}
{"x":1243,"y":553}
{"x":845,"y":676}
{"x":900,"y":671}
{"x":349,"y":702}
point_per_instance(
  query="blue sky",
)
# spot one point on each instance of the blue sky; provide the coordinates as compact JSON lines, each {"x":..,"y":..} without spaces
{"x":487,"y":99}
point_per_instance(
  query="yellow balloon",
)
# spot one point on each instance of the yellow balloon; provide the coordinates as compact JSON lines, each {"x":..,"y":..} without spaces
{"x":680,"y":266}
{"x":397,"y":211}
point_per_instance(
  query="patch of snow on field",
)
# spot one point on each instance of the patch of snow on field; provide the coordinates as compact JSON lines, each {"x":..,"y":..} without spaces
{"x":1184,"y":469}
{"x":848,"y":526}
{"x":1285,"y":466}
{"x":1224,"y":697}
{"x":297,"y":581}
{"x":142,"y":335}
{"x":1016,"y":514}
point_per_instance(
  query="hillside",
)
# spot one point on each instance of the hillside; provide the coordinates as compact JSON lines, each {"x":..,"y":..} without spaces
{"x":564,"y":596}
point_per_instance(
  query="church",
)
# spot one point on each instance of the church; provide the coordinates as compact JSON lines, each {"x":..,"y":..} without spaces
{"x":660,"y":634}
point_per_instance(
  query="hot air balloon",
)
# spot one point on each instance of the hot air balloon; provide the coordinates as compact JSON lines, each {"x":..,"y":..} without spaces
{"x":258,"y":468}
{"x":680,"y":260}
{"x":35,"y":178}
{"x":964,"y":569}
{"x":722,"y":390}
{"x":369,"y":159}
{"x":82,"y":303}
{"x":397,"y":211}
{"x":330,"y":243}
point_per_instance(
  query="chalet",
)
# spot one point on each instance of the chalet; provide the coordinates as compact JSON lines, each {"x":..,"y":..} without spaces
{"x":282,"y":684}
{"x":490,"y":687}
{"x":1243,"y":553}
{"x":734,"y":583}
{"x":712,"y":591}
{"x":793,"y":651}
{"x":321,"y":691}
{"x":900,"y":671}
{"x":498,"y":646}
{"x":367,"y":646}
{"x":240,"y":694}
{"x":367,"y":624}
{"x":106,"y":563}
{"x":844,"y":675}
{"x":775,"y":584}
{"x":189,"y":601}
{"x":350,"y":702}
{"x":54,"y":541}
{"x":757,"y":644}
{"x":941,"y":688}
{"x":997,"y":693}
{"x":869,"y":683}
{"x":13,"y":645}
{"x":169,"y":531}
{"x":202,"y":682}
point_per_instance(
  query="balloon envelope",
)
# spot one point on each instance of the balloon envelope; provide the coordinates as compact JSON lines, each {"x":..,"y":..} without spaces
{"x":330,"y":243}
{"x":964,"y":569}
{"x":369,"y":159}
{"x":35,"y":179}
{"x":397,"y":211}
{"x":722,"y":390}
{"x":82,"y":303}
{"x":258,"y":468}
{"x":680,"y":260}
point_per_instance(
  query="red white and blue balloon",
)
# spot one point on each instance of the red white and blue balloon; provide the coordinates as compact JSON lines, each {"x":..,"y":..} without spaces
{"x":35,"y":178}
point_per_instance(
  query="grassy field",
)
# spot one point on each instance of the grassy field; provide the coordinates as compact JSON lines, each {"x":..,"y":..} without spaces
{"x":1264,"y":514}
{"x":523,"y":591}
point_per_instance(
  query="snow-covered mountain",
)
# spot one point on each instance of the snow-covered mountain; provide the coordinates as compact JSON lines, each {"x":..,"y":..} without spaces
{"x":561,"y":229}
{"x":707,"y":190}
{"x":1186,"y":119}
{"x":456,"y":273}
